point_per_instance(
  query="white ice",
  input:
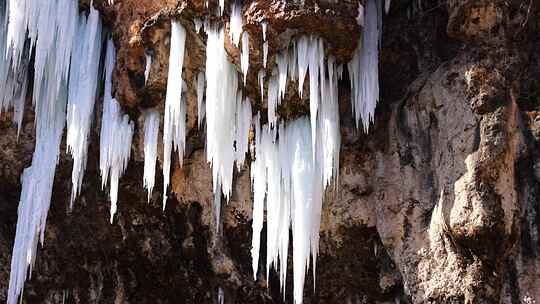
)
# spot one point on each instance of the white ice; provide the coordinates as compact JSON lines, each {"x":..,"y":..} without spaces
{"x":174,"y":125}
{"x":115,"y":135}
{"x":83,"y":83}
{"x":151,"y":132}
{"x":235,"y":23}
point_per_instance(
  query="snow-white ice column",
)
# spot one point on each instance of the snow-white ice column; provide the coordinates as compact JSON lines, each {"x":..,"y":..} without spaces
{"x":364,"y":68}
{"x":50,"y":27}
{"x":244,"y":56}
{"x":83,"y":82}
{"x":293,"y":169}
{"x":221,"y":110}
{"x":174,"y":125}
{"x":116,"y":134}
{"x":151,"y":132}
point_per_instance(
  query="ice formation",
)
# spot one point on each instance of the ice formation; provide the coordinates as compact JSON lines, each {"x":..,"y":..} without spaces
{"x":364,"y":68}
{"x":221,"y":109}
{"x":115,"y":136}
{"x":198,"y":25}
{"x":53,"y":47}
{"x":244,"y":57}
{"x":83,"y":82}
{"x":295,"y":163}
{"x":13,"y":79}
{"x":151,"y":132}
{"x":387,"y":6}
{"x":200,"y":99}
{"x":265,"y":53}
{"x":221,"y":6}
{"x":221,"y":296}
{"x":147,"y":67}
{"x":260,"y":77}
{"x":235,"y":24}
{"x":174,"y":125}
{"x":243,"y":125}
{"x":264,"y":26}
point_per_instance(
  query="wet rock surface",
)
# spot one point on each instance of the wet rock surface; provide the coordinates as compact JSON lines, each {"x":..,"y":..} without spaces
{"x":439,"y":203}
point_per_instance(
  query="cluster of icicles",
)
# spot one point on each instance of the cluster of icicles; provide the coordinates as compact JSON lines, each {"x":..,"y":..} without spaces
{"x":295,"y":161}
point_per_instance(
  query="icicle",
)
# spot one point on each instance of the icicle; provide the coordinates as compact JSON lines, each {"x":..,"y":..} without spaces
{"x":302,"y":53}
{"x":115,"y":136}
{"x":221,"y":296}
{"x":243,"y":124}
{"x":305,"y":203}
{"x":291,"y":171}
{"x":221,"y":6}
{"x":258,"y":186}
{"x":360,"y":15}
{"x":83,"y":84}
{"x":244,"y":58}
{"x":221,"y":100}
{"x":200,"y":97}
{"x":340,"y":71}
{"x":264,"y":25}
{"x":147,"y":67}
{"x":364,"y":69}
{"x":293,"y":62}
{"x":273,"y":97}
{"x":198,"y":24}
{"x":260,"y":77}
{"x":265,"y":53}
{"x":235,"y":23}
{"x":314,"y":54}
{"x":282,"y":61}
{"x":286,"y":174}
{"x":57,"y":22}
{"x":174,"y":126}
{"x":387,"y":6}
{"x":13,"y":79}
{"x":329,"y":126}
{"x":151,"y":131}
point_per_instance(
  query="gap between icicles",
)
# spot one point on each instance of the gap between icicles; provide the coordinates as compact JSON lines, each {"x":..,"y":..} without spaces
{"x":294,"y":163}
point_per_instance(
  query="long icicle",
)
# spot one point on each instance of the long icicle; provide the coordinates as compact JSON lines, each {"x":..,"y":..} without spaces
{"x":174,"y":125}
{"x":83,"y":82}
{"x":116,"y":135}
{"x":52,"y":54}
{"x":292,"y":171}
{"x":151,"y":132}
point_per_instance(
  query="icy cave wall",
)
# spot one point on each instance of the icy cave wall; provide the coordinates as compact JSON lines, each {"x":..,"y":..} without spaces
{"x":437,"y":203}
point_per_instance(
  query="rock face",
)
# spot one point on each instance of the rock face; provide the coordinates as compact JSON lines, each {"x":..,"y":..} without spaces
{"x":439,"y":203}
